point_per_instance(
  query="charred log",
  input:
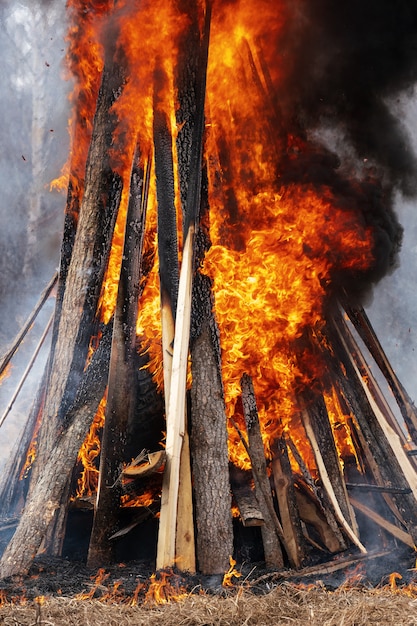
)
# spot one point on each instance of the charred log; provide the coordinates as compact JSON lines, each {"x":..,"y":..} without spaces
{"x":120,"y":407}
{"x":46,"y":495}
{"x":287,"y":503}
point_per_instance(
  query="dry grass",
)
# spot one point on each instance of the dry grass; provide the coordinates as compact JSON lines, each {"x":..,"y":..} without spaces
{"x":286,"y":605}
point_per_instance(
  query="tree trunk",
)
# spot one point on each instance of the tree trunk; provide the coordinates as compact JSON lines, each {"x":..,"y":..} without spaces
{"x":209,"y":446}
{"x":46,"y":495}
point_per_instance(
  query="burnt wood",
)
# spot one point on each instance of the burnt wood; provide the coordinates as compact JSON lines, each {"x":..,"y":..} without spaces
{"x":46,"y":496}
{"x":120,"y":406}
{"x":272,"y":532}
{"x":358,"y":404}
{"x":286,"y":500}
{"x":363,"y":325}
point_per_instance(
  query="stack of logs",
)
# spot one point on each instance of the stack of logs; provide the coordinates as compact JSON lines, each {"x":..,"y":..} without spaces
{"x":296,"y":512}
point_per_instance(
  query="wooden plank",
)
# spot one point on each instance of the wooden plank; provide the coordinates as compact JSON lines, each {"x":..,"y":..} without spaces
{"x":287,"y":505}
{"x":385,"y":524}
{"x":327,"y":483}
{"x":176,"y":412}
{"x":272,"y":532}
{"x":176,"y":406}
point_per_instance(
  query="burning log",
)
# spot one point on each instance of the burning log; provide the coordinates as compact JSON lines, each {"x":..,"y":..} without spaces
{"x":272,"y":532}
{"x":46,"y":495}
{"x":120,"y":407}
{"x":78,"y":323}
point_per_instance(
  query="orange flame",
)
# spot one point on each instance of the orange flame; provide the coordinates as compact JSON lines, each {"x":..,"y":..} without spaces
{"x":230,"y":574}
{"x":276,"y":248}
{"x":165,"y":589}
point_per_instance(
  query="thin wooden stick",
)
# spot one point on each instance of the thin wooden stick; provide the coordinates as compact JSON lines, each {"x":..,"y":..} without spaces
{"x":327,"y":484}
{"x":378,"y":519}
{"x":5,"y":359}
{"x":27,"y":370}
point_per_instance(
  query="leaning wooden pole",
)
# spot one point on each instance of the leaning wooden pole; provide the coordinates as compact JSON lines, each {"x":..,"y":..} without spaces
{"x":120,"y":407}
{"x":78,"y":323}
{"x":176,"y":405}
{"x":168,"y":280}
{"x":383,"y":442}
{"x":365,"y":330}
{"x":8,"y":355}
{"x":46,"y":495}
{"x":272,"y":532}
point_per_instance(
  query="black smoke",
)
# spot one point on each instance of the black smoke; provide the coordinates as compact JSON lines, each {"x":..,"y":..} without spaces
{"x":345,"y":64}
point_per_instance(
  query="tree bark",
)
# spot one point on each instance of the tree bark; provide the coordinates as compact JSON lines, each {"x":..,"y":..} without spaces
{"x":46,"y":495}
{"x":209,"y":446}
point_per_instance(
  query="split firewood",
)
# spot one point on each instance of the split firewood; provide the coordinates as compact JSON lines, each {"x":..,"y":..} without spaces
{"x":245,"y":497}
{"x":389,"y":457}
{"x":153,"y":463}
{"x":321,"y":499}
{"x":310,"y":513}
{"x":286,"y":500}
{"x":371,"y":382}
{"x":272,"y":532}
{"x":383,"y":523}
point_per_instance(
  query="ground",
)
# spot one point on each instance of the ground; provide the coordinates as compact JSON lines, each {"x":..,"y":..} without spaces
{"x":60,"y":592}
